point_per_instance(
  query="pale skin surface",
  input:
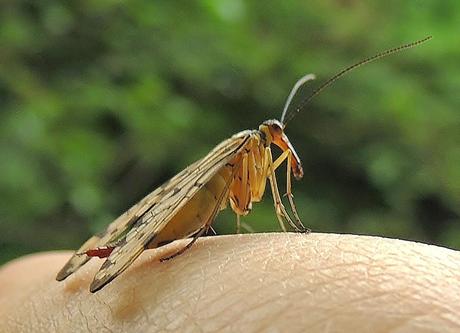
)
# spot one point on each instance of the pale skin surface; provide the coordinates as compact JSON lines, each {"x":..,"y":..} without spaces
{"x":246,"y":283}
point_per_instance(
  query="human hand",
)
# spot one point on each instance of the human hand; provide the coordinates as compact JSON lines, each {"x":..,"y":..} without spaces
{"x":245,"y":283}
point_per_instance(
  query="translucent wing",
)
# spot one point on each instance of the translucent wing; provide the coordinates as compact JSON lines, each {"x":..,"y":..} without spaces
{"x":113,"y":232}
{"x":174,"y":195}
{"x":147,"y":218}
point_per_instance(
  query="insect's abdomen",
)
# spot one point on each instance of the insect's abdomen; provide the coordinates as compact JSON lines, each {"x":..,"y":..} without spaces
{"x":197,"y":211}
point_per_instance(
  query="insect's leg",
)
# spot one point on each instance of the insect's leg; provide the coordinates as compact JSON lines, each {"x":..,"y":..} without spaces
{"x":289,"y":194}
{"x":268,"y":170}
{"x":247,"y":227}
{"x":238,"y":224}
{"x":279,"y":207}
{"x":287,"y":155}
{"x":186,"y":247}
{"x":242,"y":225}
{"x":258,"y":166}
{"x":281,"y":159}
{"x":212,"y":230}
{"x":241,"y":190}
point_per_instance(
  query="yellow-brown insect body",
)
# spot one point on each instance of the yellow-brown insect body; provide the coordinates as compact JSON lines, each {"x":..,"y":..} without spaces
{"x":235,"y":172}
{"x":246,"y":173}
{"x":254,"y":162}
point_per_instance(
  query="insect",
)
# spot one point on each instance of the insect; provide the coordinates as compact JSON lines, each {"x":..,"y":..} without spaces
{"x":234,"y":172}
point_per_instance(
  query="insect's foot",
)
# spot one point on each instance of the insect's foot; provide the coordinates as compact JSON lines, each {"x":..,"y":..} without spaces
{"x":172,"y":256}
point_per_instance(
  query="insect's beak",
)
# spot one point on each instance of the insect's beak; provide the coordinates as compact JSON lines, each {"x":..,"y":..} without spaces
{"x":283,"y":142}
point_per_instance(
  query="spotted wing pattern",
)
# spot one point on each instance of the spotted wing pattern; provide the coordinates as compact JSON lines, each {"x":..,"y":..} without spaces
{"x":112,"y":233}
{"x":148,"y":217}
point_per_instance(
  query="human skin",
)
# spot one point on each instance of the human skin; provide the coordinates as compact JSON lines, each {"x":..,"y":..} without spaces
{"x":245,"y":283}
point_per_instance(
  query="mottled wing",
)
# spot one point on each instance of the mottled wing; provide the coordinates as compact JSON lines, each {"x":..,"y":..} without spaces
{"x":174,"y":195}
{"x":156,"y":209}
{"x":113,"y":232}
{"x":216,"y":158}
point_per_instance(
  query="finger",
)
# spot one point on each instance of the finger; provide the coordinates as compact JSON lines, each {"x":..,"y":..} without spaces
{"x":282,"y":282}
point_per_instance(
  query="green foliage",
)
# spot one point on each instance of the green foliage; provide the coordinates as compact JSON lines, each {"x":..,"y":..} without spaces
{"x":101,"y":101}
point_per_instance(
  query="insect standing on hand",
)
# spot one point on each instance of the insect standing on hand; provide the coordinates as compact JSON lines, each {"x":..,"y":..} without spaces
{"x":236,"y":171}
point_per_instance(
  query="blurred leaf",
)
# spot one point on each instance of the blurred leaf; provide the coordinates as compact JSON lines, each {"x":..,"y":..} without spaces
{"x":102,"y":101}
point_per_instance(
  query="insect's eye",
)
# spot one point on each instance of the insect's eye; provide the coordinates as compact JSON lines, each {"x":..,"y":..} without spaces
{"x":276,"y":128}
{"x":273,"y":126}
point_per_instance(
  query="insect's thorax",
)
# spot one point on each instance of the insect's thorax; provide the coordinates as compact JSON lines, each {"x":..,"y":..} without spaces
{"x":254,"y":163}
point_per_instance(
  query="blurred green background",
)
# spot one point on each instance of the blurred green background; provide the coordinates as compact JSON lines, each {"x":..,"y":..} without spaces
{"x":101,"y":101}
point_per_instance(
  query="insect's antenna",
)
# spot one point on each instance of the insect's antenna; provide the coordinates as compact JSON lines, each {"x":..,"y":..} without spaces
{"x":286,"y":118}
{"x":296,"y":87}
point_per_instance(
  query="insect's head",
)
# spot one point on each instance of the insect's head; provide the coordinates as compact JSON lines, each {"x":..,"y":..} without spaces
{"x":271,"y":128}
{"x":274,"y":133}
